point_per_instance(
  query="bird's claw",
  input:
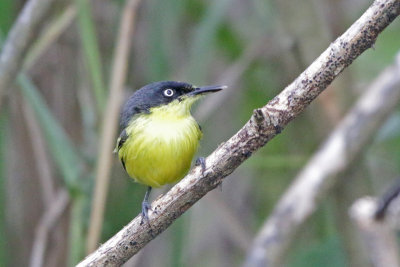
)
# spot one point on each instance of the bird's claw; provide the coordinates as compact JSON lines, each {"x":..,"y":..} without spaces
{"x":145,"y":212}
{"x":201,"y":161}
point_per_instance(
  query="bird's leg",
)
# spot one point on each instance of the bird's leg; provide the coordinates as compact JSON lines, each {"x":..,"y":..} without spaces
{"x":146,"y":206}
{"x":201,"y":161}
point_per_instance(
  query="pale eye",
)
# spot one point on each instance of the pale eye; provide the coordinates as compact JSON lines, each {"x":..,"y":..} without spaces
{"x":168,"y":92}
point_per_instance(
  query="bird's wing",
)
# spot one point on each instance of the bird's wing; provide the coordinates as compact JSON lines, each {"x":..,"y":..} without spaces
{"x":120,"y":141}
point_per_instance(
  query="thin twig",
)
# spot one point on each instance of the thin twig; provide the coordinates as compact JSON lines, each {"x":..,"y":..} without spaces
{"x":20,"y":38}
{"x":47,"y":222}
{"x":387,"y":199}
{"x":110,"y":123}
{"x":264,"y":124}
{"x":379,"y":238}
{"x":336,"y":155}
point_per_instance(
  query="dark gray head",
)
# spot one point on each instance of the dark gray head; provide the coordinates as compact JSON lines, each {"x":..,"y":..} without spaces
{"x":157,"y":94}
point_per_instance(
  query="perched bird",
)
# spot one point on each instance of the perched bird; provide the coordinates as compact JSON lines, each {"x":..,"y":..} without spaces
{"x":159,"y":137}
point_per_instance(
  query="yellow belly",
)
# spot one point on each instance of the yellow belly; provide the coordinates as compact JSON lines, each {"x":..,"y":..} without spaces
{"x":159,"y":150}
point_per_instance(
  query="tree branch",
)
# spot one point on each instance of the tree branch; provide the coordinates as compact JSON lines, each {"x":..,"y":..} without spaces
{"x":264,"y":124}
{"x":20,"y":38}
{"x":335,"y":156}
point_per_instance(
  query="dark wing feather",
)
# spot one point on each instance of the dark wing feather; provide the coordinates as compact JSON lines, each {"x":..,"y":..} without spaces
{"x":123,"y":163}
{"x":121,"y":140}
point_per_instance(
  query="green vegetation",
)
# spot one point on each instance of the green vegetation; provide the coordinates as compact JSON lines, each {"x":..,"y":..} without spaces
{"x":195,"y":41}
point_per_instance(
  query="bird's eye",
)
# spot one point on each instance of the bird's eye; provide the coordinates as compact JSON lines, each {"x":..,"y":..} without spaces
{"x":168,"y":92}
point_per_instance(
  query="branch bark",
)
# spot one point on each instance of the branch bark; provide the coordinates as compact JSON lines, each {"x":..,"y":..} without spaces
{"x":20,"y":38}
{"x":336,"y":155}
{"x":264,"y":124}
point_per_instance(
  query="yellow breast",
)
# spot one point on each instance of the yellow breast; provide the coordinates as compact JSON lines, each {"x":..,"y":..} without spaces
{"x":160,"y":146}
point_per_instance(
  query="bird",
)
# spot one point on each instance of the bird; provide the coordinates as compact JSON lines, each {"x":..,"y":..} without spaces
{"x":158,"y":135}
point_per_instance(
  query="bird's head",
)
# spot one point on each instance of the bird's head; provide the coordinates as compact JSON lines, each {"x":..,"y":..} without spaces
{"x":171,"y":96}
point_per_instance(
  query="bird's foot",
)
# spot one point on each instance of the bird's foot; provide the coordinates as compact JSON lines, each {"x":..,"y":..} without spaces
{"x":201,"y":161}
{"x":145,"y":212}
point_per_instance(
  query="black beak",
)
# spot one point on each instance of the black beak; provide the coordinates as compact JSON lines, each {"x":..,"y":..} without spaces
{"x":207,"y":89}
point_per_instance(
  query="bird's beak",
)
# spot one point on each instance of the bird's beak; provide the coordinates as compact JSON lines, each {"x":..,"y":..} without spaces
{"x":207,"y":89}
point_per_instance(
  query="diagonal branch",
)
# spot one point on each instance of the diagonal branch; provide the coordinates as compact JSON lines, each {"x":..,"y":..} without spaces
{"x":320,"y":174}
{"x":264,"y":124}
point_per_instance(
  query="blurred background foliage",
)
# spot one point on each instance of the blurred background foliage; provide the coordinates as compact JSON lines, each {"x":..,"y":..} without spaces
{"x":50,"y":126}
